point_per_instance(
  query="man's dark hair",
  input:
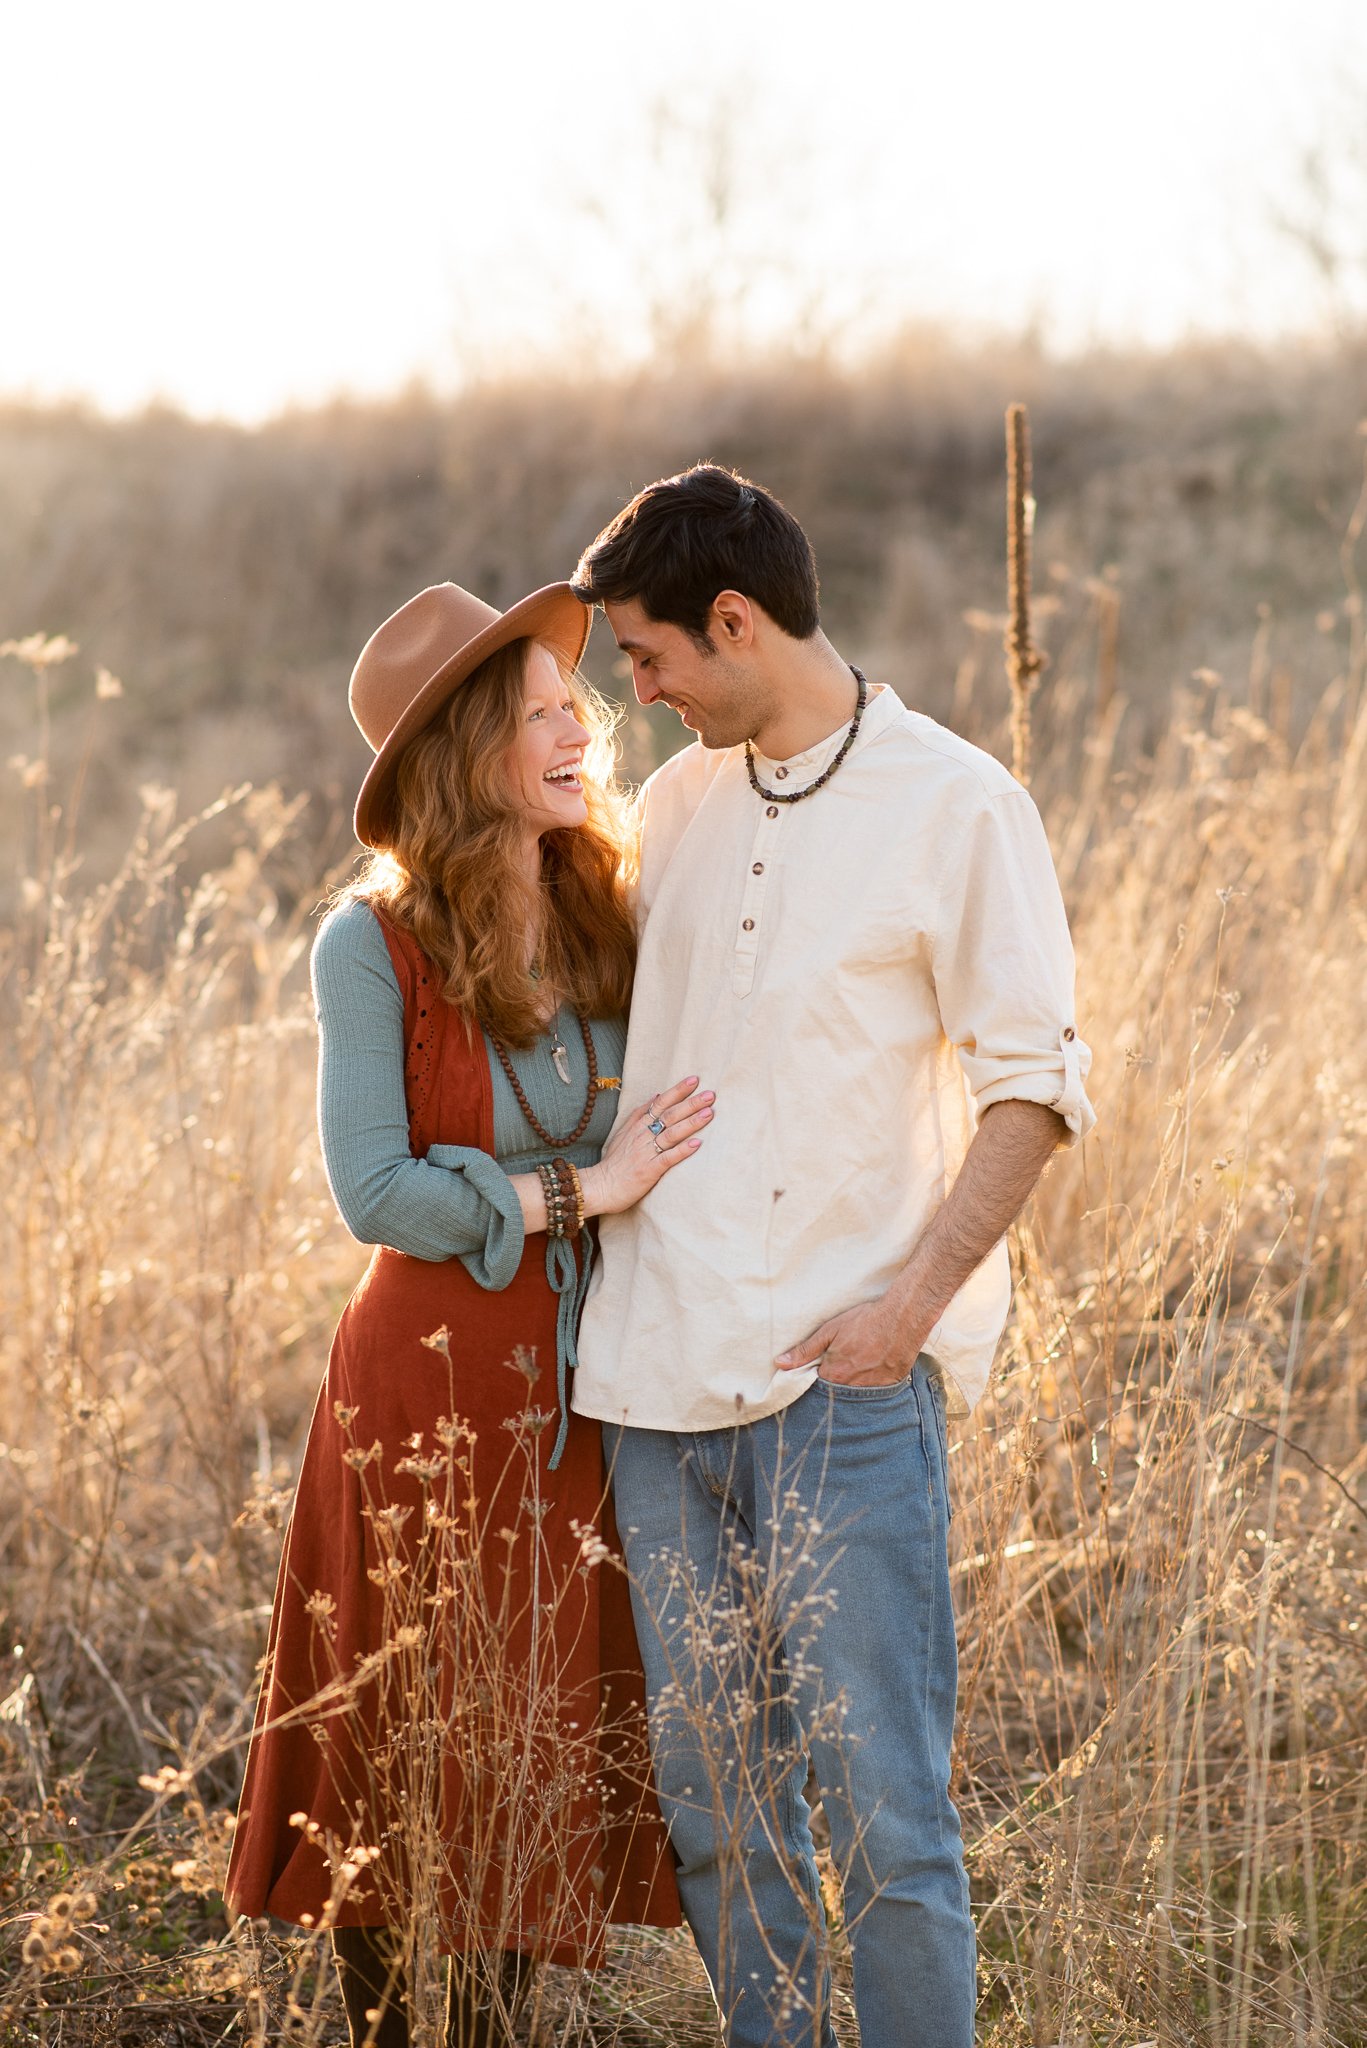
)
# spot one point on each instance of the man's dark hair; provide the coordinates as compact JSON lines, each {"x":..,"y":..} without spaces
{"x":683,"y":540}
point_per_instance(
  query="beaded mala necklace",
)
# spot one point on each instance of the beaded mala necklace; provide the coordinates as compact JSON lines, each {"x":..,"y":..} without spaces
{"x":520,"y":1092}
{"x":775,"y":796}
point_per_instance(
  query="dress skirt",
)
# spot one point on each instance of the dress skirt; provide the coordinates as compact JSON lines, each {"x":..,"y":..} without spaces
{"x":451,"y":1722}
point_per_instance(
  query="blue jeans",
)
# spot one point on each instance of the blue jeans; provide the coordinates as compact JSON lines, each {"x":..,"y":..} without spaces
{"x":791,"y":1586}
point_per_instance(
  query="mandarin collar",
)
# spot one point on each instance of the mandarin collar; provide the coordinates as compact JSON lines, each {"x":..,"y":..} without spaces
{"x":877,"y":713}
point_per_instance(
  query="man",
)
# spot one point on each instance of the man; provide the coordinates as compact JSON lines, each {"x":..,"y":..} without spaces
{"x":851,"y":929}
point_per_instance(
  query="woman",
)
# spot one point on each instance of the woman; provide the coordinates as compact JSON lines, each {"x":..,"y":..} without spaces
{"x":451,"y":1720}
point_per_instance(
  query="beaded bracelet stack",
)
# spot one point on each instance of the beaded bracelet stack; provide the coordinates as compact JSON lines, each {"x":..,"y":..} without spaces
{"x":564,"y":1192}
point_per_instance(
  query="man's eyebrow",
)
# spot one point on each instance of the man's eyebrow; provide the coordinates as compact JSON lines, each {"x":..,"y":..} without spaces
{"x":631,"y":646}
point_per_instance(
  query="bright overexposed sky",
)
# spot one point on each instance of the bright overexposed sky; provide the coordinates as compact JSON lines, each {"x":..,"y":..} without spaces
{"x":236,"y":207}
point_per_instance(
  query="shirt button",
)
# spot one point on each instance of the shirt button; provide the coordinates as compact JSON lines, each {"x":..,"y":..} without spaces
{"x":772,"y":811}
{"x":748,"y":925}
{"x":1069,"y":1033}
{"x":782,"y":774}
{"x":758,"y":868}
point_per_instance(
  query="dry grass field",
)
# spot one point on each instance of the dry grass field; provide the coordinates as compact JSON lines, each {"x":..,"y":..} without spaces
{"x":1162,"y":1503}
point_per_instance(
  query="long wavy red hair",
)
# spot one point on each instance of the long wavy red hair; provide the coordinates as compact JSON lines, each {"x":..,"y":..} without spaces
{"x":455,"y":878}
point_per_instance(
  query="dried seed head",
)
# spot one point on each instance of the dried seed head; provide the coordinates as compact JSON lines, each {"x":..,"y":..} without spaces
{"x":37,"y":651}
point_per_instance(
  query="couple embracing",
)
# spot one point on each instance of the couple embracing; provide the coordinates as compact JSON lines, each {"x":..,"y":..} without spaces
{"x":642,"y":1404}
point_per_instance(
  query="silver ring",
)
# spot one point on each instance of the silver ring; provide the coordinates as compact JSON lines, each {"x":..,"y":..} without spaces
{"x":656,"y":1128}
{"x":658,"y":1146}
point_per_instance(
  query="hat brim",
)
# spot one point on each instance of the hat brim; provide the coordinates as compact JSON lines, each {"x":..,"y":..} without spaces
{"x":553,"y":615}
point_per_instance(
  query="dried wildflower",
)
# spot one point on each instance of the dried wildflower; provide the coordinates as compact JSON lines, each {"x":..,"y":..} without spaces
{"x":531,"y":1422}
{"x":107,"y":685}
{"x":323,"y":1609}
{"x":166,"y":1781}
{"x":267,"y":1508}
{"x":523,"y":1361}
{"x":425,"y":1469}
{"x":1285,"y":1930}
{"x":592,"y":1549}
{"x":37,"y":651}
{"x":343,"y":1415}
{"x":387,"y":1573}
{"x":440,"y":1340}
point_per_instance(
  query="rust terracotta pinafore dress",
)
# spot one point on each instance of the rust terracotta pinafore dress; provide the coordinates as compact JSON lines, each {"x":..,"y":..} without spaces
{"x":452,"y":1714}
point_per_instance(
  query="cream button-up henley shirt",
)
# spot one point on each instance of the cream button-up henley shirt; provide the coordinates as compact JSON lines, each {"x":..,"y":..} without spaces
{"x":859,"y":976}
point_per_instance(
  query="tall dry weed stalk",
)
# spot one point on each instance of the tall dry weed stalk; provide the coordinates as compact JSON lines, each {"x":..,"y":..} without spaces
{"x":1162,"y":1504}
{"x":1023,"y":659}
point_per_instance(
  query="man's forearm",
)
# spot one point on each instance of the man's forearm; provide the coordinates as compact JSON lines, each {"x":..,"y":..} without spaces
{"x":1010,"y":1150}
{"x":877,"y":1342}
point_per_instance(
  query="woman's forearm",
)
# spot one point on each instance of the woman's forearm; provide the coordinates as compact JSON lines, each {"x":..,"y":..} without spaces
{"x":532,"y":1196}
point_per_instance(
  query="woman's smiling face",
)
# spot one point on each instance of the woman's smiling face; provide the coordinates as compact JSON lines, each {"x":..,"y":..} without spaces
{"x":548,"y":758}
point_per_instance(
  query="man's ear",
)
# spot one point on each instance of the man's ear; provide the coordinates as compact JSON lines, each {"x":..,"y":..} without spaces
{"x":732,"y":621}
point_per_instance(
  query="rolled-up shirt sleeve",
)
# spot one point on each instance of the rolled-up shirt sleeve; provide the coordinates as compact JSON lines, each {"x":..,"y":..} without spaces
{"x":1002,"y":962}
{"x":457,"y":1202}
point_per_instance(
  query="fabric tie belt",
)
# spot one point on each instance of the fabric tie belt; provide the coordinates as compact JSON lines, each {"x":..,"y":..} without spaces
{"x":569,"y":1284}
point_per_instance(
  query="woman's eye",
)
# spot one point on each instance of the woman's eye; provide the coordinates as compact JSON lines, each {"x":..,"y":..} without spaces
{"x":534,"y":714}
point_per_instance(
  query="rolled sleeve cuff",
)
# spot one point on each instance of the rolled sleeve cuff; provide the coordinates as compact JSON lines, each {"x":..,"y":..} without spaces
{"x":495,"y":1263}
{"x":1054,"y":1079}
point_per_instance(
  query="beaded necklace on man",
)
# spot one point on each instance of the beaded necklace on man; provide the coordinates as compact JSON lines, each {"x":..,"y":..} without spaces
{"x":775,"y":796}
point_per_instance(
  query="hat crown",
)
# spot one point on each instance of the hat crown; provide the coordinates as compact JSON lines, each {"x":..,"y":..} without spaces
{"x":404,"y":654}
{"x":411,"y":664}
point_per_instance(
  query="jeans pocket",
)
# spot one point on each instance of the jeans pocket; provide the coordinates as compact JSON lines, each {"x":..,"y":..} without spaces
{"x":843,"y":1391}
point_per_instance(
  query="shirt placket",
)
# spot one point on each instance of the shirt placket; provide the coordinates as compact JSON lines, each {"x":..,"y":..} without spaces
{"x":764,"y":850}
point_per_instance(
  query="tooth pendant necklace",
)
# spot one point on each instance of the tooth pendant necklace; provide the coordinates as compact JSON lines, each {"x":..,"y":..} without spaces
{"x":560,"y":1058}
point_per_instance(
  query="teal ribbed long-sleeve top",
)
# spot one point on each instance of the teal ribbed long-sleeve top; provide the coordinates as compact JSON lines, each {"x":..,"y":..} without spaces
{"x":458,"y":1202}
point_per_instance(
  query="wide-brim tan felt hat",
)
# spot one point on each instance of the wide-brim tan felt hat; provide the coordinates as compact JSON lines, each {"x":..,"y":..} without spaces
{"x":413,"y":662}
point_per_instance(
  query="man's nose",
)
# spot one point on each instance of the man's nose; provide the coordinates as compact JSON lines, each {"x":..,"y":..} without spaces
{"x":646,"y":693}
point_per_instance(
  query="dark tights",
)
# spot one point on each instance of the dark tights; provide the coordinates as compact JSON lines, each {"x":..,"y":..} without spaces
{"x":373,"y":1979}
